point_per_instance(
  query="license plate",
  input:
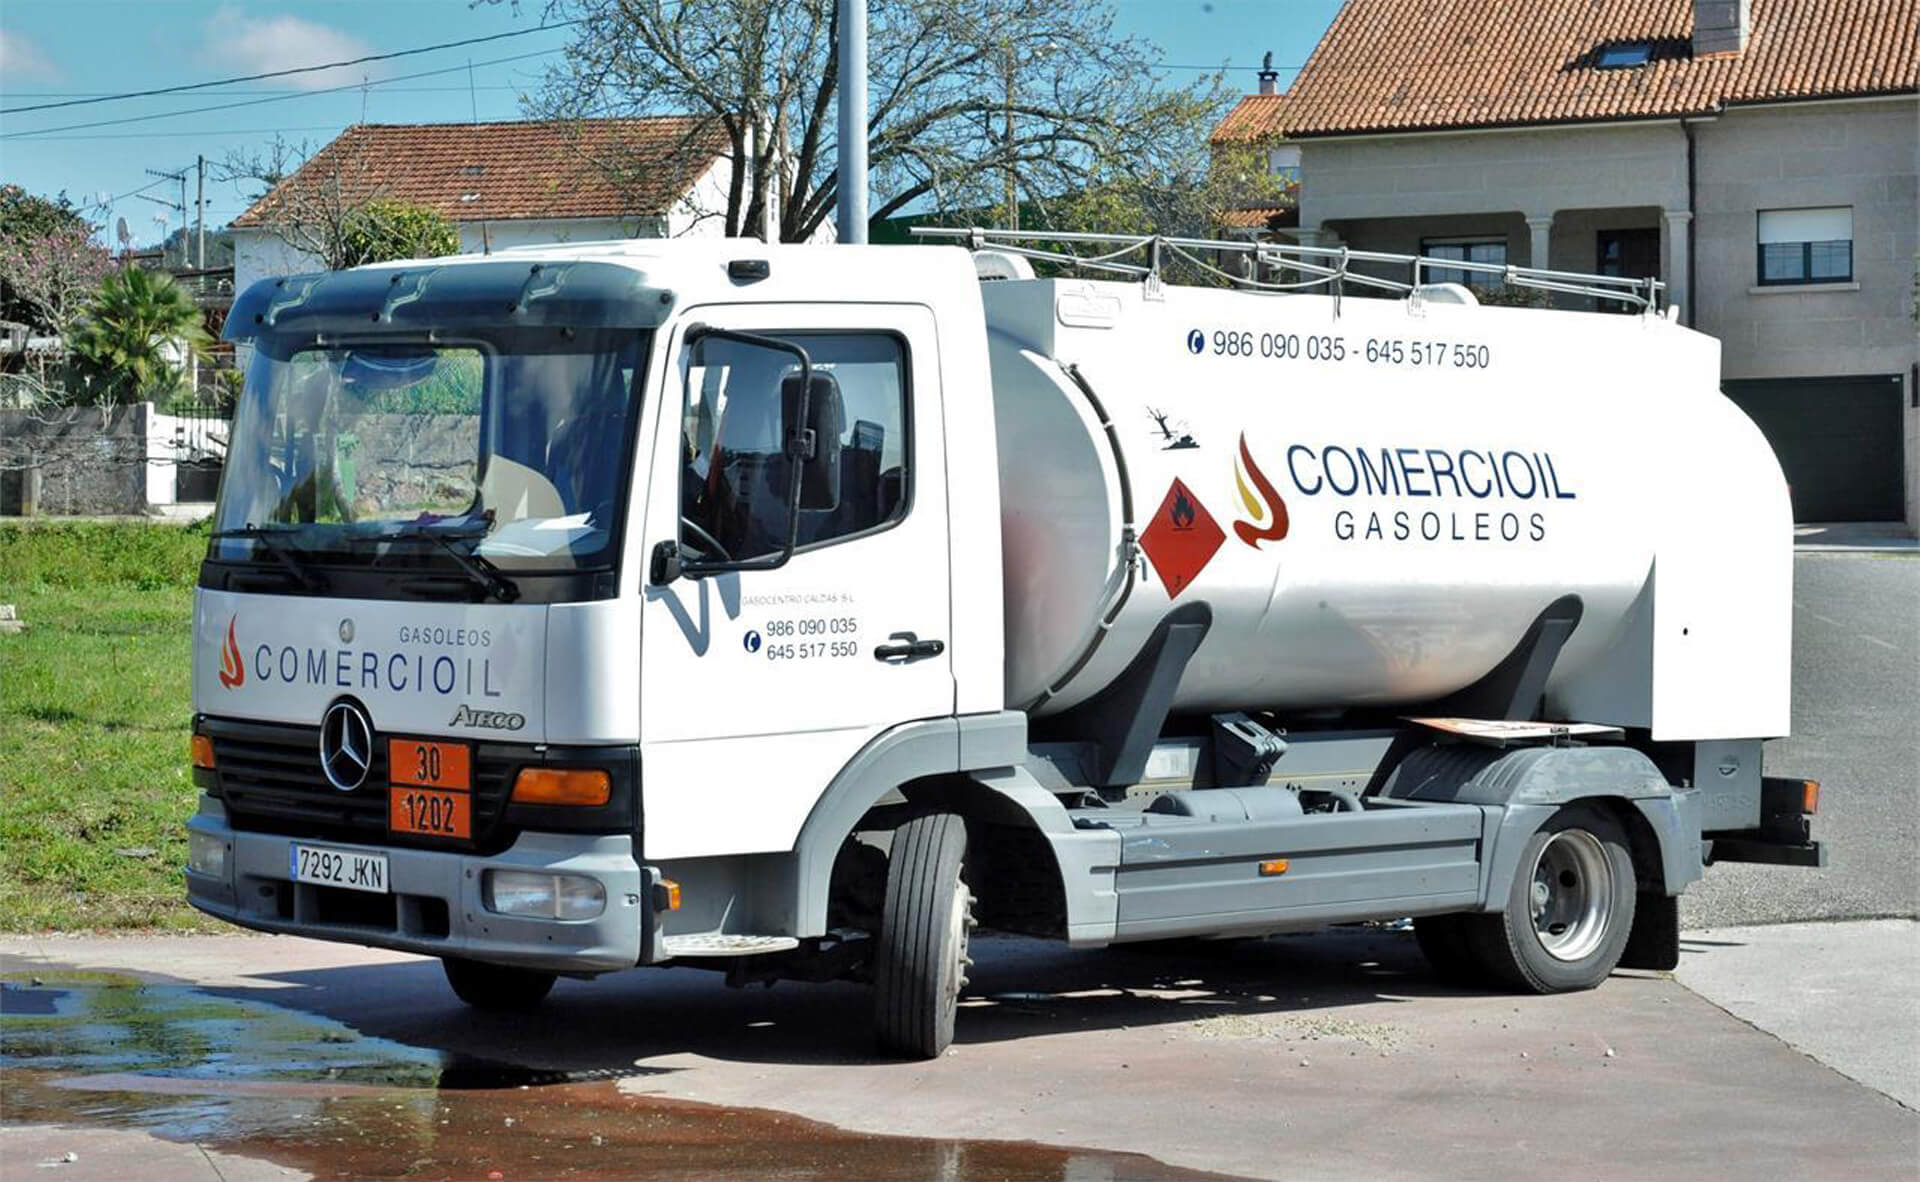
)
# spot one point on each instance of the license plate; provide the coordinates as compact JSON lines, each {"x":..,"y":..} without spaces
{"x":429,"y":811}
{"x":424,"y":763}
{"x":350,"y":869}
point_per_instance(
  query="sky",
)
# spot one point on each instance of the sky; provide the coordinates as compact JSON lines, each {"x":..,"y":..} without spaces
{"x":56,"y":50}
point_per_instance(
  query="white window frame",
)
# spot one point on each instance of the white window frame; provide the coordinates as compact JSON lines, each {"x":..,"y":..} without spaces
{"x":1816,"y":231}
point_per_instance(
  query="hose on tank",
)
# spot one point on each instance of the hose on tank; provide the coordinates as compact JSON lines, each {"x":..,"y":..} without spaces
{"x":1129,"y":541}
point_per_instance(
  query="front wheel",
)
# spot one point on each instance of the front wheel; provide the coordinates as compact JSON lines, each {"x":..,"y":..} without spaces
{"x":1569,"y":910}
{"x":920,"y":957}
{"x":496,"y":987}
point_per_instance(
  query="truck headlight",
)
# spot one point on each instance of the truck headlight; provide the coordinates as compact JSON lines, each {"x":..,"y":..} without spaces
{"x":544,"y":896}
{"x":207,"y":854}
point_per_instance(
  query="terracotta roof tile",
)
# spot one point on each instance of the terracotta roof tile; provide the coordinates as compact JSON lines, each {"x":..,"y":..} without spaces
{"x":1408,"y":65}
{"x":532,"y":169}
{"x":1272,"y":217}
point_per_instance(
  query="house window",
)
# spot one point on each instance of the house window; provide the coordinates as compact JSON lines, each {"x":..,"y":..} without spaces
{"x":1806,"y":245}
{"x":1492,"y":251}
{"x":1284,"y":161}
{"x":1623,"y":54}
{"x":1627,"y":254}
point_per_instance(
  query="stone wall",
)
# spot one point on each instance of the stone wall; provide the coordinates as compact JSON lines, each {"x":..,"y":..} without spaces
{"x":80,"y":460}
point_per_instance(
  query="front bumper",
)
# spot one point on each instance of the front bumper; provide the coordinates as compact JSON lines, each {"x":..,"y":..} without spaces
{"x":435,"y":906}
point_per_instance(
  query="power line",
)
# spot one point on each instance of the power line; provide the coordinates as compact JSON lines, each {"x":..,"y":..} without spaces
{"x":200,"y":134}
{"x":253,"y":90}
{"x":48,"y":131}
{"x":372,"y":57}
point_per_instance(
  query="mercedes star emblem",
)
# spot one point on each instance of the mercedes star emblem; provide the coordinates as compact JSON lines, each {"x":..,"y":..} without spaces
{"x":346,"y":745}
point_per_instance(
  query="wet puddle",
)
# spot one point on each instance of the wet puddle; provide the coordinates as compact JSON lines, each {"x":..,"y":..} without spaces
{"x":311,"y":1094}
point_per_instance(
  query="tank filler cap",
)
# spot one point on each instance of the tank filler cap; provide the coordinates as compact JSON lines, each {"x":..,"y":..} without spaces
{"x":1000,"y":264}
{"x":1446,"y":293}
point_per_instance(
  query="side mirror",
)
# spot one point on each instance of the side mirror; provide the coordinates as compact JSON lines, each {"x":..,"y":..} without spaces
{"x":814,"y":422}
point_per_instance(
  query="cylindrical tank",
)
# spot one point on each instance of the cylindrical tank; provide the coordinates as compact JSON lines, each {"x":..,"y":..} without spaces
{"x":1376,"y":498}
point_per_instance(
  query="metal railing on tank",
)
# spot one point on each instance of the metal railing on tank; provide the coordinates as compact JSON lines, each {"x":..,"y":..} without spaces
{"x":1283,"y":267}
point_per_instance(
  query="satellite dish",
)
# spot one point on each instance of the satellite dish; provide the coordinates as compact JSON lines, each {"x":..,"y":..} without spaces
{"x":125,"y":235}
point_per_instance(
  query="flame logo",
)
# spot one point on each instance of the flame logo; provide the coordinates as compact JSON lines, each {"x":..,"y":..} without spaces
{"x":1262,"y":502}
{"x":233,"y":669}
{"x":1182,"y":511}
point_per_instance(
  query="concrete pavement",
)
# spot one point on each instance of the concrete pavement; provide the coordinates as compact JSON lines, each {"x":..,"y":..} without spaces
{"x":1845,"y":994}
{"x":1325,"y":1056}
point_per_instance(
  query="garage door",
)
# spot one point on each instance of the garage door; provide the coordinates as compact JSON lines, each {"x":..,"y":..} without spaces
{"x":1838,"y":439}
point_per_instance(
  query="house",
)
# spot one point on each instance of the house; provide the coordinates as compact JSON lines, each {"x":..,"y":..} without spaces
{"x":1759,"y":156}
{"x":501,"y":184}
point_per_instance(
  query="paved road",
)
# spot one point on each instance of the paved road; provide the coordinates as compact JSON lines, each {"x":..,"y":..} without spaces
{"x":1327,"y":1056}
{"x":1856,"y":729}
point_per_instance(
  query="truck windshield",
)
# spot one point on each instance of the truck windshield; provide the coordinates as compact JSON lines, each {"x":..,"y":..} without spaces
{"x":513,"y":443}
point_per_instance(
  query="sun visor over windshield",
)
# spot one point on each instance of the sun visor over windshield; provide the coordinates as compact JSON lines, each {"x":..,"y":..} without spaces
{"x":455,"y":296}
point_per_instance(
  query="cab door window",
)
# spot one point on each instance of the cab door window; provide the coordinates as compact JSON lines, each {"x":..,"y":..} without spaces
{"x":737,"y":476}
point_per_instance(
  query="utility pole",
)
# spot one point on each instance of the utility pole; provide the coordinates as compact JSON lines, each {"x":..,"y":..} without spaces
{"x":180,"y":176}
{"x":1013,"y":187}
{"x":852,"y":194}
{"x":200,"y":211}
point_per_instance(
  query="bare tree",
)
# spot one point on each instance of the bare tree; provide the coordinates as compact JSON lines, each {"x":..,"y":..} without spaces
{"x":310,"y":200}
{"x":972,"y":103}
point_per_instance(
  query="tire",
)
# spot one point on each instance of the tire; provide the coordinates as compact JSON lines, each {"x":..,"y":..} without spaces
{"x":1443,"y":941}
{"x":496,"y":987}
{"x":1569,"y":909}
{"x":920,"y":954}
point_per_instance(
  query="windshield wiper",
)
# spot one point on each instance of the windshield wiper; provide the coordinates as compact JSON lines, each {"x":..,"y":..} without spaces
{"x":484,"y":573}
{"x":276,"y":544}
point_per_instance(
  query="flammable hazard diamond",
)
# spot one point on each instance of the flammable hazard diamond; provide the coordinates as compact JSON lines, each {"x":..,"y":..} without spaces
{"x":1181,"y":539}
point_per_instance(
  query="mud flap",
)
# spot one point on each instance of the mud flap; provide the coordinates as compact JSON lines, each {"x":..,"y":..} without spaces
{"x":1654,"y":942}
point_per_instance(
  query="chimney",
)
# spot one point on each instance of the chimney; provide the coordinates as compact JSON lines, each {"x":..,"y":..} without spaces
{"x":1269,"y":77}
{"x":1720,"y":26}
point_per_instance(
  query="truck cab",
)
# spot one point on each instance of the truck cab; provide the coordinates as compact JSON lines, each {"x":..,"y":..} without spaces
{"x":501,"y":539}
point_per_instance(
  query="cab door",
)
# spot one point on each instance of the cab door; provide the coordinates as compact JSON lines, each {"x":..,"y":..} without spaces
{"x":759,"y":685}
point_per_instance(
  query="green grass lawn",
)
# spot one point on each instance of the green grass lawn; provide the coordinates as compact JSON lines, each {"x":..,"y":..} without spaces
{"x":94,"y":717}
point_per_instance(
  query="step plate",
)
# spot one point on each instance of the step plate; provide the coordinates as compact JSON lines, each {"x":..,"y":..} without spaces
{"x":715,"y":944}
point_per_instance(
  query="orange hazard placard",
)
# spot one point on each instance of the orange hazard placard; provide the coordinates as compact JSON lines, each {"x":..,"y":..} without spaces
{"x":429,"y":811}
{"x":429,"y":764}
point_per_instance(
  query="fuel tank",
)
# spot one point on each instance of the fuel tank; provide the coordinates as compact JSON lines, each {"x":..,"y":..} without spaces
{"x":1376,"y":498}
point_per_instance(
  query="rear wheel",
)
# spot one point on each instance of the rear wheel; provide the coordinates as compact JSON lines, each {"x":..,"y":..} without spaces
{"x":496,"y":987}
{"x":1569,"y":910}
{"x":920,"y":956}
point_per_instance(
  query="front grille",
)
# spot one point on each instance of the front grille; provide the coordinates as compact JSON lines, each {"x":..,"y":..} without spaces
{"x":269,"y":777}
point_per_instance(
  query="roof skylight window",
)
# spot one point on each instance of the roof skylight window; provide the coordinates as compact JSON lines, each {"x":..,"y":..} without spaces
{"x":1624,"y":54}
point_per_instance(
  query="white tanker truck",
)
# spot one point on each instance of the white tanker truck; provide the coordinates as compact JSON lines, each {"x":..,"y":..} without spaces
{"x":792,"y":610}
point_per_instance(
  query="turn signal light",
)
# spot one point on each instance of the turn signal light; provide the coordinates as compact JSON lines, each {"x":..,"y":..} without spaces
{"x":202,"y":751}
{"x":1272,"y":867}
{"x":1810,"y":797}
{"x":562,"y":785}
{"x":667,"y":895}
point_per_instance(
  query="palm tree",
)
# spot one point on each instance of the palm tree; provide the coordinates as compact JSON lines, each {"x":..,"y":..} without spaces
{"x":134,"y":336}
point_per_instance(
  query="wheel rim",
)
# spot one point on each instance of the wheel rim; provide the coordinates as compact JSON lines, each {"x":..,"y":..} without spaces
{"x":959,"y":920}
{"x":1572,"y":895}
